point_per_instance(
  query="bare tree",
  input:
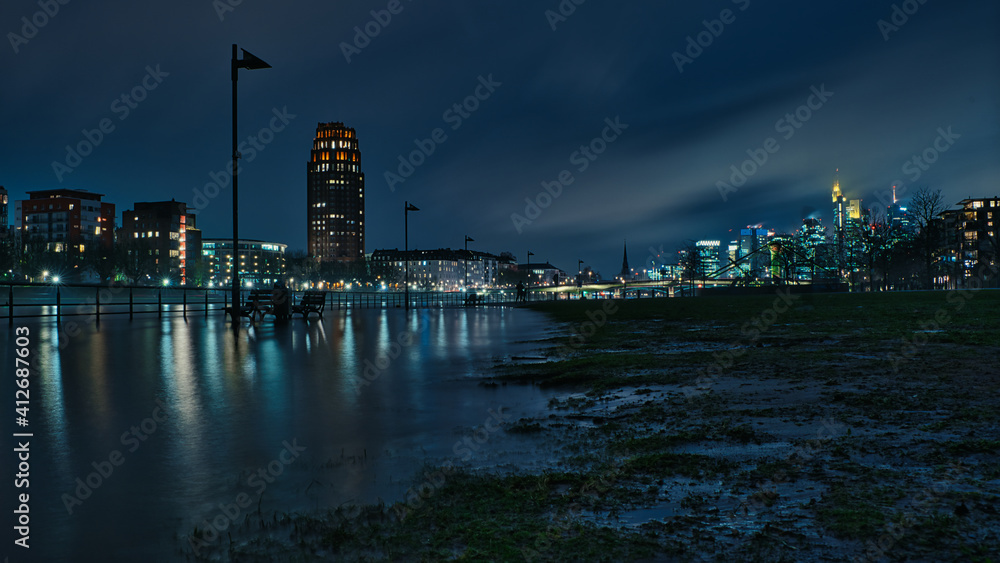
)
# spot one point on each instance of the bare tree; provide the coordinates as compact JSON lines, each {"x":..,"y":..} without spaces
{"x":691,"y":263}
{"x":925,"y":207}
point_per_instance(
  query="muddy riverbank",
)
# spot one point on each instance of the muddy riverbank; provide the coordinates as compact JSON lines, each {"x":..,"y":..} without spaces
{"x":813,"y":428}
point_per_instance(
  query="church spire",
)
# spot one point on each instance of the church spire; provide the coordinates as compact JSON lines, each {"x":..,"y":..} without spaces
{"x":626,"y":272}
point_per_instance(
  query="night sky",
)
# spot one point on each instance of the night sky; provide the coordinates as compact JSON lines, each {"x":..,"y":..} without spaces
{"x":551,"y":92}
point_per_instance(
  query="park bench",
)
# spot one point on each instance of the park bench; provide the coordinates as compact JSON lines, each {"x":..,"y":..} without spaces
{"x":257,"y":305}
{"x":311,"y":302}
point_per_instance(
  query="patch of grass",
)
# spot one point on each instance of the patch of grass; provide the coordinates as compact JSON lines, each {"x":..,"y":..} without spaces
{"x":666,"y":464}
{"x":525,"y":426}
{"x":857,"y":509}
{"x":962,"y":448}
{"x":657,"y":443}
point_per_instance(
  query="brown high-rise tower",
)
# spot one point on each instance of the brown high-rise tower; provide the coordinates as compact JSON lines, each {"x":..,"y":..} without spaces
{"x":336,"y":195}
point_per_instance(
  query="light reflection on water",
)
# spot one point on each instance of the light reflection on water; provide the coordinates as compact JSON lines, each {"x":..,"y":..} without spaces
{"x":232,"y":401}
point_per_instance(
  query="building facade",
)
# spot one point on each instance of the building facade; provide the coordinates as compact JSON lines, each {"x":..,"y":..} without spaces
{"x":975,"y":239}
{"x":169,"y":234}
{"x":442,"y":269}
{"x":65,"y":219}
{"x":710,"y":253}
{"x":543,"y":273}
{"x":756,"y":252}
{"x":335,"y":195}
{"x":261,"y":263}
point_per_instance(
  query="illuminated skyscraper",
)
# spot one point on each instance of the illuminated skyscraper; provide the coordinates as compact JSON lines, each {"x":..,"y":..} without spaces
{"x":839,"y":210}
{"x":336,"y":195}
{"x":709,"y":251}
{"x":753,"y":243}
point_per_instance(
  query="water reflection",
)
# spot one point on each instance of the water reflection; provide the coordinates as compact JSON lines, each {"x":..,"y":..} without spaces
{"x":370,"y":394}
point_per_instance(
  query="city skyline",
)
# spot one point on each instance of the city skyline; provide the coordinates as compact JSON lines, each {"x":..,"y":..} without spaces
{"x":652,"y":114}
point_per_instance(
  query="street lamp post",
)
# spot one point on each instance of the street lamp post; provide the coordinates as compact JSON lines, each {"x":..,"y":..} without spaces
{"x":526,"y":270}
{"x":406,"y":247}
{"x":468,"y":239}
{"x":248,"y":62}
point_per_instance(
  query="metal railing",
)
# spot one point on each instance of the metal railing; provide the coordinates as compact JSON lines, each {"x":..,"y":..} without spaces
{"x":28,"y":300}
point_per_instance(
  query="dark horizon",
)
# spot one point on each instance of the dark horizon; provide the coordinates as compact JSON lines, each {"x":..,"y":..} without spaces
{"x":543,"y":86}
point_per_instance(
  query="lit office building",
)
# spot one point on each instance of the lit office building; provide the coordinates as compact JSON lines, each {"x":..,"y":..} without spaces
{"x":440,"y":269}
{"x":710,"y":257}
{"x":335,"y":196}
{"x":261,"y":263}
{"x":754,"y":248}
